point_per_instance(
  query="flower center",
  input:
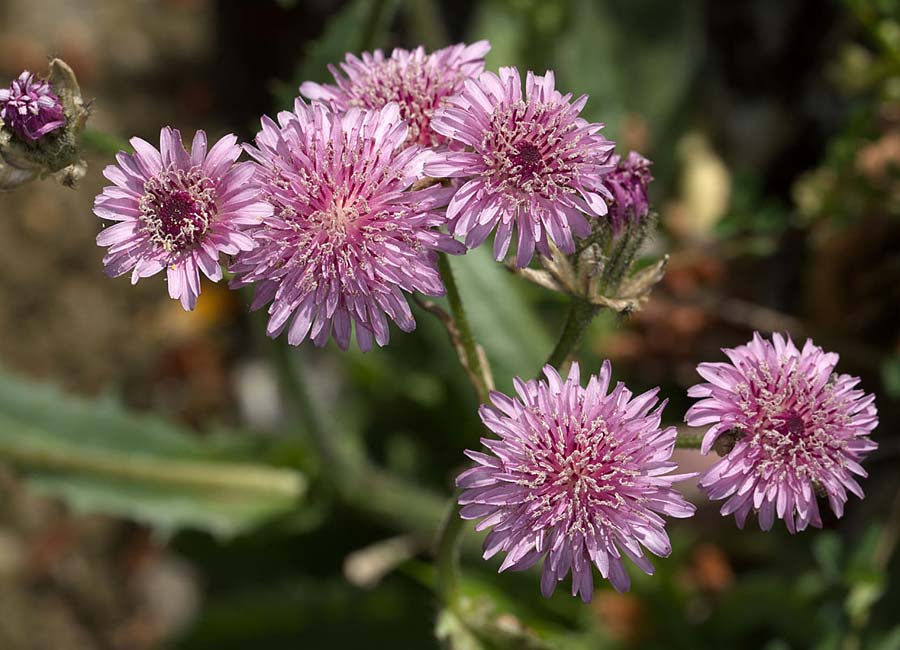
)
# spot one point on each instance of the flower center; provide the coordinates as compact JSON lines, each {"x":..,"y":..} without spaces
{"x":177,"y":208}
{"x":528,"y":160}
{"x":792,"y":424}
{"x":528,"y":151}
{"x":340,"y":220}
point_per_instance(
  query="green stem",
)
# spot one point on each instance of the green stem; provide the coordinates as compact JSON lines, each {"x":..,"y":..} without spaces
{"x":358,"y":483}
{"x":104,"y":143}
{"x":580,"y":315}
{"x":302,"y":404}
{"x":689,"y":441}
{"x":448,"y":556}
{"x":478,"y":373}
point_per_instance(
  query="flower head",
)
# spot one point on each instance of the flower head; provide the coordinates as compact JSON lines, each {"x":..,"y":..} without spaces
{"x":578,"y":477}
{"x":347,"y":236}
{"x":628,"y":186}
{"x":418,"y":82}
{"x":30,"y":108}
{"x":178,"y":211}
{"x":796,"y":428}
{"x":534,"y":165}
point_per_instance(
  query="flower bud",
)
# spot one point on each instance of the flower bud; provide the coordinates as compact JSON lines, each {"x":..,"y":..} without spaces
{"x":41,"y":122}
{"x":602,"y":272}
{"x":628,"y":183}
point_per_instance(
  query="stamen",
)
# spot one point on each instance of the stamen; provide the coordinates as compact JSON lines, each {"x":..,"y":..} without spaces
{"x":177,"y":208}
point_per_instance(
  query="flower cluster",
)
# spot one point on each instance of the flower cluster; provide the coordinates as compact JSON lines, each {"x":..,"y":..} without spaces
{"x":794,"y":428}
{"x":342,"y":212}
{"x":363,"y":188}
{"x":30,"y":108}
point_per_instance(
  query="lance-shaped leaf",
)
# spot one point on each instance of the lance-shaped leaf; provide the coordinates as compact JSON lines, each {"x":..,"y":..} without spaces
{"x":100,"y":458}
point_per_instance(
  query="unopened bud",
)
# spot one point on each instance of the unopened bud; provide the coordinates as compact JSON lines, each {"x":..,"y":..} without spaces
{"x":602,"y":271}
{"x":41,"y":122}
{"x":628,"y":183}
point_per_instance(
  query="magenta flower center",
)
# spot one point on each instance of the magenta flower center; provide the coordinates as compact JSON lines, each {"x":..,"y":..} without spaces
{"x":514,"y":146}
{"x":575,"y":483}
{"x":177,"y":208}
{"x":786,"y":443}
{"x":528,"y":160}
{"x":793,"y":425}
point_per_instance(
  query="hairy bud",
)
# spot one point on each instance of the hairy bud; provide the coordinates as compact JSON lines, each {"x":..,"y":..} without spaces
{"x":41,"y":122}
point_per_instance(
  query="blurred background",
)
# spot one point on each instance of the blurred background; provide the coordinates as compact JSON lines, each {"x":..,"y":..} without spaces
{"x":173,"y":480}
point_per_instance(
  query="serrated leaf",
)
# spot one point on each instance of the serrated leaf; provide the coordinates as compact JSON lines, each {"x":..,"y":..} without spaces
{"x":100,"y":458}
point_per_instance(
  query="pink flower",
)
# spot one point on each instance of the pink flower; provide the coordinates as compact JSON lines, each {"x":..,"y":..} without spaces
{"x":578,"y":477}
{"x":177,"y":211}
{"x":347,"y":237}
{"x":796,"y":427}
{"x":534,"y":165}
{"x":419,"y":83}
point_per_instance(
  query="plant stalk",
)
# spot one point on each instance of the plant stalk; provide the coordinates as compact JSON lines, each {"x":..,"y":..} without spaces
{"x":689,"y":440}
{"x":447,"y":560}
{"x":579,"y":318}
{"x":471,"y":356}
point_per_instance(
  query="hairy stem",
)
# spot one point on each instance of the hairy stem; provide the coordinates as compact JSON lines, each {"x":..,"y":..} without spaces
{"x":359,"y":483}
{"x":470,"y":354}
{"x":301,"y":403}
{"x":580,"y":315}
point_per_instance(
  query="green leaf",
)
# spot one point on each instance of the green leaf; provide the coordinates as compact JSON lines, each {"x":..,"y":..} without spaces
{"x":627,"y":57}
{"x":642,"y":56}
{"x":100,"y":458}
{"x":512,"y":336}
